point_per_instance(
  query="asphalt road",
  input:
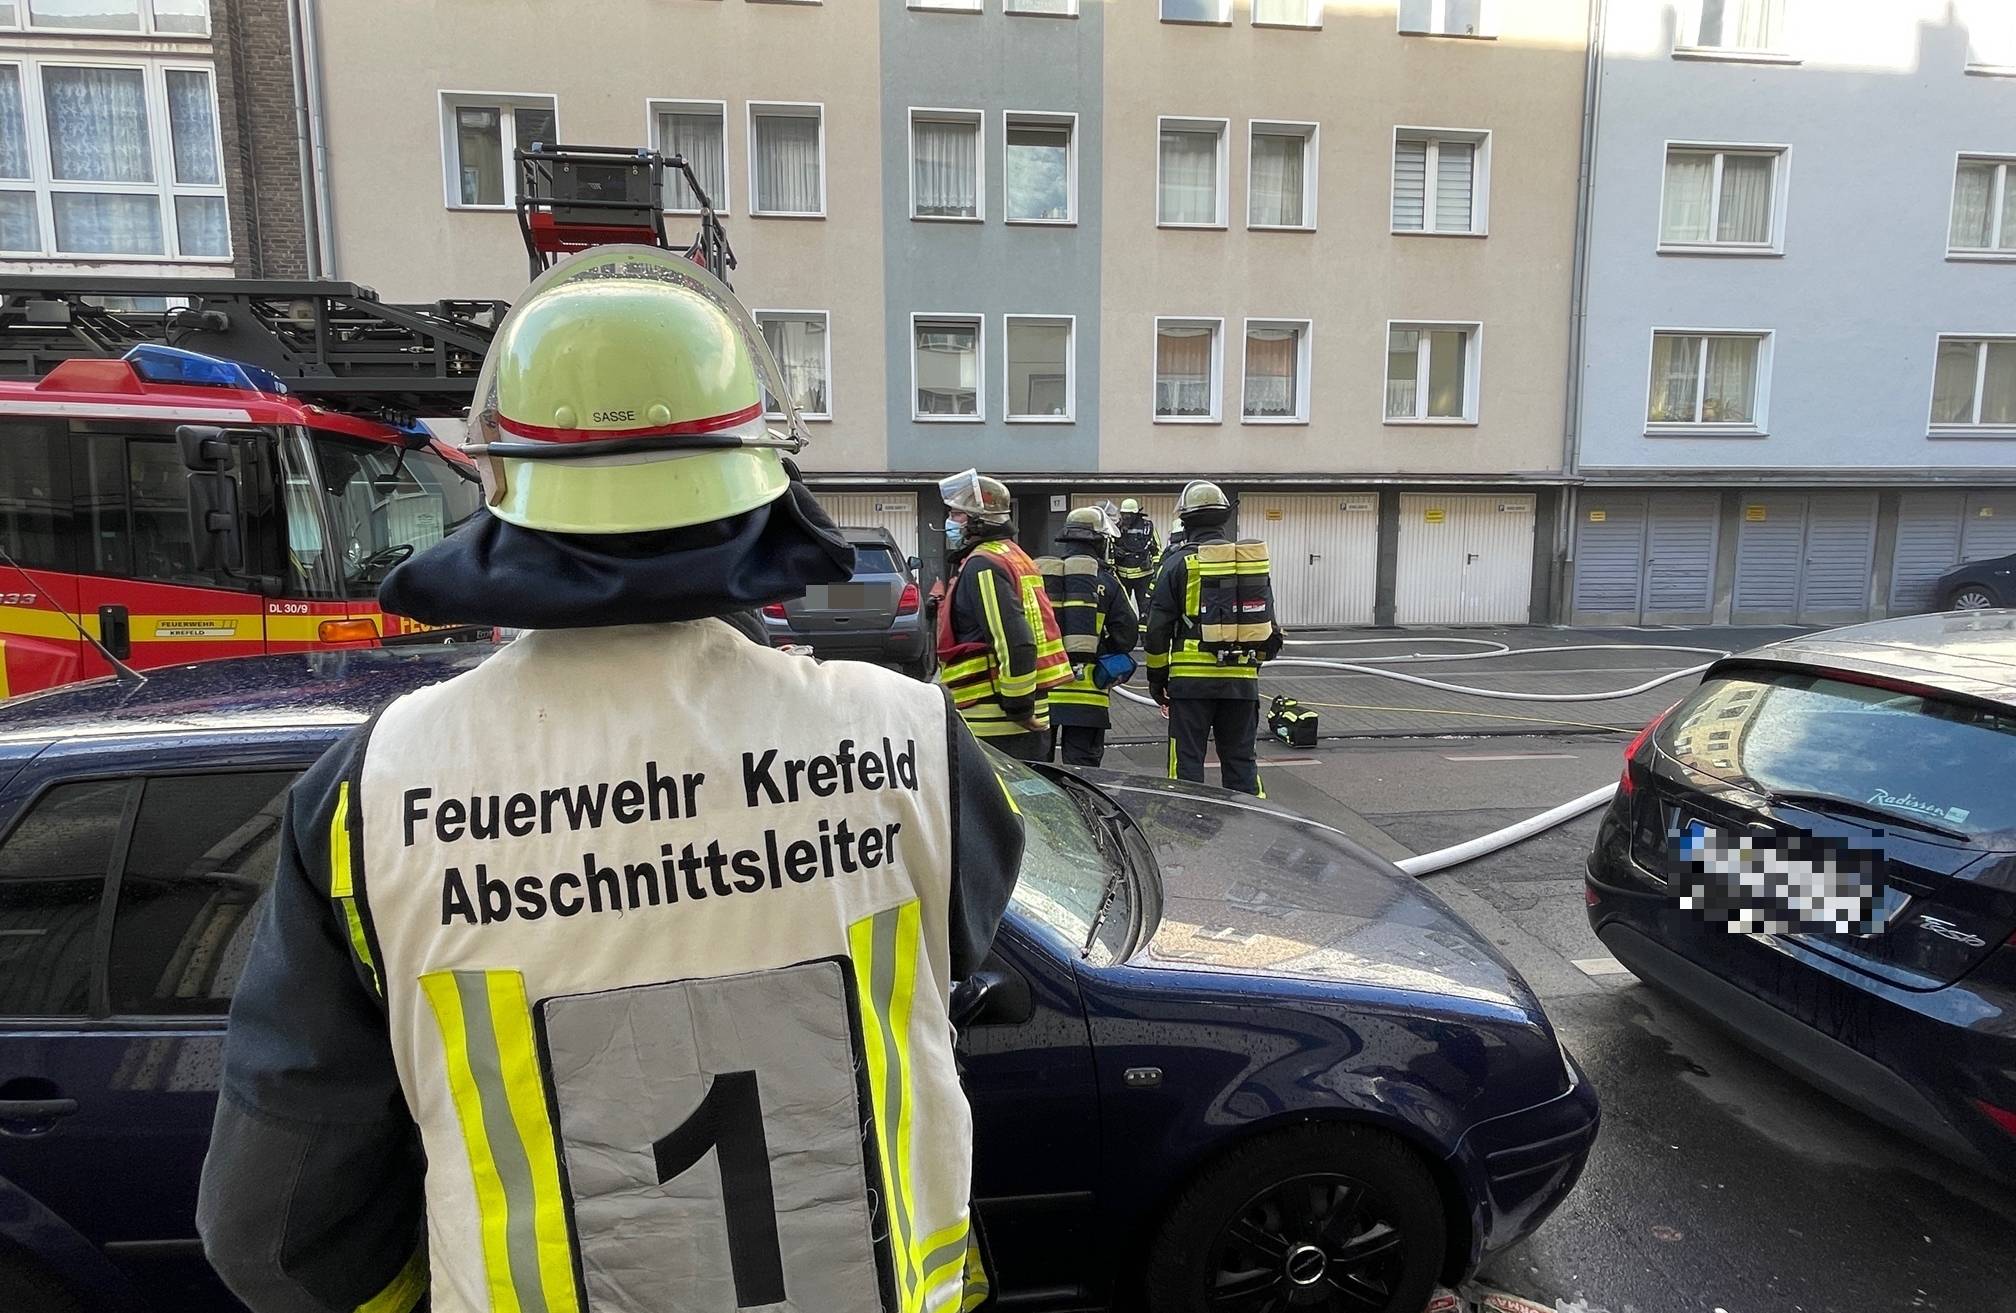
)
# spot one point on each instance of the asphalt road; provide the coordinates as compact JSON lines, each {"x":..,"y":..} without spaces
{"x":1719,"y":1183}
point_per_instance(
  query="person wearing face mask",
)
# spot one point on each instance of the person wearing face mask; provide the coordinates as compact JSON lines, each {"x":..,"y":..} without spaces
{"x":999,"y":650}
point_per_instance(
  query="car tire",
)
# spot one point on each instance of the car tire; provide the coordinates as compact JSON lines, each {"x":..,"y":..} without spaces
{"x":1971,"y":597}
{"x":26,"y":1284}
{"x":1302,"y":1217}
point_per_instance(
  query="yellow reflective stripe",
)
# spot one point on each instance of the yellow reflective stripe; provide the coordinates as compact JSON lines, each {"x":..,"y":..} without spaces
{"x":909,"y":929}
{"x":518,"y":1054}
{"x":943,"y":1253}
{"x":1172,"y":752}
{"x":1008,"y":796}
{"x":442,"y":996}
{"x":1001,"y":729}
{"x":978,"y":1287}
{"x":1193,"y":588}
{"x":404,"y":1290}
{"x":1215,"y":671}
{"x":342,"y":885}
{"x":1077,"y":697}
{"x":991,"y":609}
{"x":5,"y":692}
{"x":964,"y":669}
{"x":883,"y":949}
{"x":1157,"y":660}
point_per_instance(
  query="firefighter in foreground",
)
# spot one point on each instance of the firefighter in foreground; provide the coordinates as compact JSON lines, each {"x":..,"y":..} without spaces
{"x":1137,"y":553}
{"x":1210,"y":626}
{"x":999,"y":651}
{"x":1096,"y":617}
{"x":616,"y":971}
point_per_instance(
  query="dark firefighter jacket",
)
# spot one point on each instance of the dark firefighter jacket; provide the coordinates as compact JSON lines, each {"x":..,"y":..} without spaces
{"x":1080,"y":702}
{"x":1175,"y":665}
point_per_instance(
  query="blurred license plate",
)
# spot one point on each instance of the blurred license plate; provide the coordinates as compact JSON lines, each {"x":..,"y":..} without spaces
{"x":837,"y":597}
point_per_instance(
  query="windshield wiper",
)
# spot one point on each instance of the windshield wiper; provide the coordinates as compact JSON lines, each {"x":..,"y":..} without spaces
{"x":1826,"y":802}
{"x":1106,"y":826}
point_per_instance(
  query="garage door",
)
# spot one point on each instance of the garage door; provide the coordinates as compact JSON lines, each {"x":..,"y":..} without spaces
{"x":1610,"y":555}
{"x":1646,"y":558}
{"x":1465,"y":560}
{"x":1323,"y":552}
{"x":894,"y":511}
{"x":1805,"y":559}
{"x":1937,"y":531}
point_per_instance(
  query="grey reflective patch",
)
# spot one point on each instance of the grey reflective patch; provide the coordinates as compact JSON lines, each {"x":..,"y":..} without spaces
{"x":882,"y":983}
{"x":631,"y":1066}
{"x":507,"y":1150}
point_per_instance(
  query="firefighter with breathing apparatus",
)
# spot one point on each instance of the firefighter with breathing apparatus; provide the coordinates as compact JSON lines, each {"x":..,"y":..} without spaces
{"x":764,"y":873}
{"x":999,"y":652}
{"x":1096,"y":618}
{"x":1210,"y":626}
{"x":1136,"y":553}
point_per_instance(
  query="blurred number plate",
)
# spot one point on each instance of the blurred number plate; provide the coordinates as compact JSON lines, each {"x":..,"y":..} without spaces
{"x":837,"y":597}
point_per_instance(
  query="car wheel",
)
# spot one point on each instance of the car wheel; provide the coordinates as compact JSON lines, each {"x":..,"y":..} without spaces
{"x":1321,"y":1219}
{"x":1970,"y":597}
{"x":24,"y":1284}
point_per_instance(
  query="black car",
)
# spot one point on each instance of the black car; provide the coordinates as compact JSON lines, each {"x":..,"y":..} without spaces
{"x":1872,"y":771}
{"x":1978,"y":585}
{"x":875,"y":616}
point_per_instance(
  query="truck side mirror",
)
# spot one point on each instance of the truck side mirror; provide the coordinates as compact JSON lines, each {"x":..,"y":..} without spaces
{"x":215,"y":538}
{"x":204,"y":447}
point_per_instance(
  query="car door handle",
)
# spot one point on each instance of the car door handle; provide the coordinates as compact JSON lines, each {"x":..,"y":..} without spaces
{"x":35,"y":1110}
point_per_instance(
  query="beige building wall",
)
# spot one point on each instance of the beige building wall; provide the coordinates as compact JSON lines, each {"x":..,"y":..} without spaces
{"x":384,"y":67}
{"x":1357,"y":78}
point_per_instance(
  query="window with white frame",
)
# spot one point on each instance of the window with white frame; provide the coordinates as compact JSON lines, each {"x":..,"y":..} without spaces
{"x":1190,"y":173}
{"x":787,"y":159}
{"x":945,"y":166}
{"x":1448,"y":17}
{"x":1431,"y":373}
{"x":1276,"y":387}
{"x":961,"y":6}
{"x":1746,"y":26}
{"x":1974,"y":385}
{"x":1042,"y":373}
{"x":945,"y":367}
{"x":1441,"y":181}
{"x":1991,"y":36}
{"x":1041,"y":154}
{"x":803,"y":349}
{"x":697,"y":132}
{"x":1196,"y":11}
{"x":1708,"y":380}
{"x":1721,"y":198}
{"x":128,"y":162}
{"x":479,"y":132}
{"x":1187,"y":370}
{"x":1984,"y":207}
{"x":1281,"y":175}
{"x":1287,"y":13}
{"x":1046,"y":8}
{"x":156,"y":17}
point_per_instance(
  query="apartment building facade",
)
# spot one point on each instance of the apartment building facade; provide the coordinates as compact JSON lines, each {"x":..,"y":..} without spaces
{"x":1320,"y":252}
{"x":1797,"y":392}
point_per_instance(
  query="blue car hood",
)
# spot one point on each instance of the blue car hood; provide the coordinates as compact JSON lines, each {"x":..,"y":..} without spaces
{"x":1250,"y":889}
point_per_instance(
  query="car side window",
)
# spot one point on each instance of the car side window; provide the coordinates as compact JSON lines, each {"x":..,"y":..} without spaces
{"x":35,"y":518}
{"x":53,"y":865}
{"x":203,"y":850}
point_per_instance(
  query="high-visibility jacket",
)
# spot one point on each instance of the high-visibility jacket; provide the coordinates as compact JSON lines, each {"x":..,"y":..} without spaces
{"x":1138,"y":550}
{"x":664,"y":977}
{"x":999,"y":649}
{"x":1096,"y":617}
{"x":1211,"y":618}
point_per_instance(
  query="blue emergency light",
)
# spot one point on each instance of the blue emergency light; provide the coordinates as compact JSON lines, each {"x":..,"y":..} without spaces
{"x":168,"y":364}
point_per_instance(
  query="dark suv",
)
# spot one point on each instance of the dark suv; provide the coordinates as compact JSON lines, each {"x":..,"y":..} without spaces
{"x":875,"y":616}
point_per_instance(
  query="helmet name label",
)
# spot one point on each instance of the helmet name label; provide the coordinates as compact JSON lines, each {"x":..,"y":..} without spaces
{"x":615,"y":417}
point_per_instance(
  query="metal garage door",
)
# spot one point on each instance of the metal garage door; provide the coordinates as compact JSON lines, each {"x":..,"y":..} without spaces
{"x":894,"y":511}
{"x":1804,"y":558}
{"x":1646,"y":558}
{"x":1323,"y":552}
{"x":1937,"y":531}
{"x":1465,"y":559}
{"x":1610,"y":555}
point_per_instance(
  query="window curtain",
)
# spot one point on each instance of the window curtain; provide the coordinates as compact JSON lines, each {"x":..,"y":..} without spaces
{"x":1745,"y":214}
{"x":945,"y":168}
{"x":1039,"y":6}
{"x":479,"y":155}
{"x":1183,"y":371}
{"x":1448,"y":366}
{"x":192,"y":127}
{"x":94,"y":15}
{"x":1410,"y":185}
{"x":1189,"y":177}
{"x":698,"y":138}
{"x":1675,"y":379}
{"x":1690,"y":183}
{"x":1272,"y":355}
{"x":787,"y":163}
{"x":185,"y":16}
{"x":1453,"y":173}
{"x":1277,"y":180}
{"x":1998,"y":389}
{"x":201,"y":226}
{"x":13,"y":125}
{"x":1739,"y":24}
{"x":1953,"y":382}
{"x":1403,"y":371}
{"x":2008,"y":242}
{"x":800,"y":348}
{"x":1730,"y":394}
{"x":97,"y":124}
{"x":1291,"y":12}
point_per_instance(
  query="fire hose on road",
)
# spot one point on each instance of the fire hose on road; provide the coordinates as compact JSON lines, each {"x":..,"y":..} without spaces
{"x":1485,"y":844}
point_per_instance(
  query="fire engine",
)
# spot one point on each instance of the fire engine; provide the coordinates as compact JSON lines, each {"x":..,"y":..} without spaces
{"x":218,"y":467}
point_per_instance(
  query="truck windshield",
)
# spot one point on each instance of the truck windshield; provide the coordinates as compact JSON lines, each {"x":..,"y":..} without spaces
{"x":384,"y":504}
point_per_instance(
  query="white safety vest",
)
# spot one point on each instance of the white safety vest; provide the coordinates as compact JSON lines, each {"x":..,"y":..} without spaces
{"x":661,"y":924}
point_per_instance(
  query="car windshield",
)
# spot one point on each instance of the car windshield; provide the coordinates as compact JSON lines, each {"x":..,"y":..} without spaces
{"x":873,"y":558}
{"x":1064,"y":867}
{"x":1941,"y":763}
{"x":385,"y":503}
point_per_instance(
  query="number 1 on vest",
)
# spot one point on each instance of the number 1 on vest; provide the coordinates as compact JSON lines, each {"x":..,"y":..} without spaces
{"x":729,"y":1121}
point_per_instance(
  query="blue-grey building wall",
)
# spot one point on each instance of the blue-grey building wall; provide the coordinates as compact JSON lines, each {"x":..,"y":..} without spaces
{"x":993,"y":62}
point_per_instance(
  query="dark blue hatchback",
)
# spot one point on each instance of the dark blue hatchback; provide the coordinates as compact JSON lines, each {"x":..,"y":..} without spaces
{"x":1216,"y":1043}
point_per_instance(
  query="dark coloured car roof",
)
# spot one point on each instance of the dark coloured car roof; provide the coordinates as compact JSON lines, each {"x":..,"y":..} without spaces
{"x":856,"y":534}
{"x":1971,"y":653}
{"x":309,"y":689}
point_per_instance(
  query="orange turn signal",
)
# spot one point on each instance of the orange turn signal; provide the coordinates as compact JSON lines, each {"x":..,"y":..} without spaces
{"x":347,"y":631}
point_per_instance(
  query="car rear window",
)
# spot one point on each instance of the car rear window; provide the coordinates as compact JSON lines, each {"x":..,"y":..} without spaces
{"x":1947,"y":763}
{"x":871,"y":558}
